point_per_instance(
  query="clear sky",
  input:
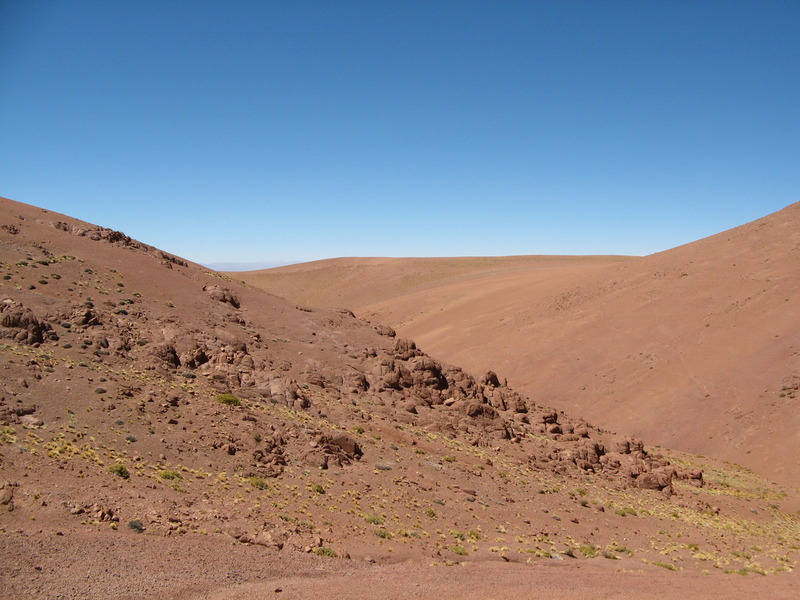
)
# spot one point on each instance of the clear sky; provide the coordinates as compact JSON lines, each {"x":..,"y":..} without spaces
{"x":296,"y":130}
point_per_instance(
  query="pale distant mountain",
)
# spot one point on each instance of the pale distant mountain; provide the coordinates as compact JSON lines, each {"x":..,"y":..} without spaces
{"x":247,"y":266}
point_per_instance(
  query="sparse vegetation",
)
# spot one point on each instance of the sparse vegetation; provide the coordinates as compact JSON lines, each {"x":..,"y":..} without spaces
{"x":136,"y":525}
{"x":119,"y":470}
{"x":625,"y":511}
{"x":614,"y":547}
{"x":228,"y":400}
{"x":257,"y":482}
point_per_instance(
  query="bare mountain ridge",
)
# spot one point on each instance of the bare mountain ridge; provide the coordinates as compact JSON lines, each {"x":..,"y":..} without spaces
{"x":695,"y":348}
{"x":229,"y":347}
{"x":152,"y":410}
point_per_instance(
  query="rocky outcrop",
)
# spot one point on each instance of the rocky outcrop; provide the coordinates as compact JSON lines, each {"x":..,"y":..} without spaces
{"x":118,"y":238}
{"x":21,"y":325}
{"x":221,"y":294}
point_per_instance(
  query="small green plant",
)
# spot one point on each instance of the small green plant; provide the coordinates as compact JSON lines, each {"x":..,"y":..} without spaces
{"x":449,"y":458}
{"x":458,"y":549}
{"x":119,"y":470}
{"x":615,"y":547}
{"x":588,"y":550}
{"x":358,"y":429}
{"x":667,"y":566}
{"x":410,"y":533}
{"x":374,"y":519}
{"x":325,"y":551}
{"x":627,"y":510}
{"x":257,"y":482}
{"x":229,"y":400}
{"x":8,"y":435}
{"x":167,"y":474}
{"x":136,"y":525}
{"x":429,"y":512}
{"x":383,"y":533}
{"x":318,"y":489}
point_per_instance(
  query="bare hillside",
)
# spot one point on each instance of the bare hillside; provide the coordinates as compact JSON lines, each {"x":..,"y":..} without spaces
{"x":696,"y":348}
{"x":166,"y":432}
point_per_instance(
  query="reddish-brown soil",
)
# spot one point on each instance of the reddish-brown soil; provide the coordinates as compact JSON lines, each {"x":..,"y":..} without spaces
{"x":167,"y":432}
{"x":127,"y":567}
{"x":695,"y":348}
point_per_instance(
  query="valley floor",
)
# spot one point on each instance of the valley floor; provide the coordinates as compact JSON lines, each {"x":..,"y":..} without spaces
{"x":75,"y":563}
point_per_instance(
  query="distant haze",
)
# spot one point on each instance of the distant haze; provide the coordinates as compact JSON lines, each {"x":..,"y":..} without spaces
{"x":247,"y":266}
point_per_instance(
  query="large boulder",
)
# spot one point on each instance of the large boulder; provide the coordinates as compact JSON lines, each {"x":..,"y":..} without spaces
{"x":221,"y":294}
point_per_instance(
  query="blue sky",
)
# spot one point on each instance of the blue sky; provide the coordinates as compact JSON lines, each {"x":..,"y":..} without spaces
{"x":285,"y":131}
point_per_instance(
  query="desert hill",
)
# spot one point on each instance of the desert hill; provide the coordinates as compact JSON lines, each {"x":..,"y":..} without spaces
{"x":362,"y":282}
{"x":166,"y":431}
{"x":695,"y":348}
